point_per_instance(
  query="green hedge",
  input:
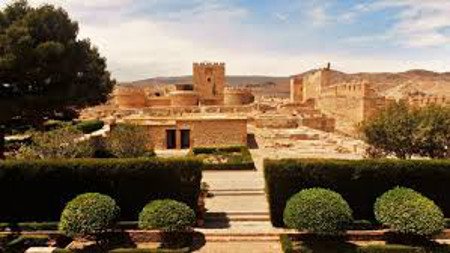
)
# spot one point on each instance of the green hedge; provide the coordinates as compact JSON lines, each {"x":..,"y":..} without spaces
{"x":39,"y":190}
{"x":359,"y":182}
{"x":242,"y":161}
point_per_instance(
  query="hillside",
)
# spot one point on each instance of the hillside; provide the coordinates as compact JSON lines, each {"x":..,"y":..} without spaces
{"x":394,"y":85}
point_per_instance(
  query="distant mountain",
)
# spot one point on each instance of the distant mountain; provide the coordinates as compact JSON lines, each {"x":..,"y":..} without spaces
{"x":394,"y":85}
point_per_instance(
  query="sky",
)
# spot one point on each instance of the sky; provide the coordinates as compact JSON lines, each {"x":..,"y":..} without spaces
{"x":149,"y":38}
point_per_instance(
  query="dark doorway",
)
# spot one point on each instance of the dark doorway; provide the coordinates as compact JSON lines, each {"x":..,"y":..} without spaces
{"x":171,"y":139}
{"x":185,"y":139}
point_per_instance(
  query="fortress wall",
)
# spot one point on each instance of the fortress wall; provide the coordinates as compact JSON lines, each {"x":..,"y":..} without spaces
{"x":130,"y":97}
{"x":235,"y":97}
{"x":314,"y":83}
{"x":357,"y":89}
{"x":158,"y":101}
{"x":183,"y":98}
{"x":423,"y":100}
{"x":348,"y":108}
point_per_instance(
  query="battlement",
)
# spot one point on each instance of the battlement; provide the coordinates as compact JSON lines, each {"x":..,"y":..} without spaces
{"x":357,"y":88}
{"x":209,"y":64}
{"x":421,"y":100}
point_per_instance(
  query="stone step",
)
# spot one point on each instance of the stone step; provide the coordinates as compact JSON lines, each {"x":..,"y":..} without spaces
{"x":237,"y":216}
{"x":241,"y":238}
{"x":237,"y":192}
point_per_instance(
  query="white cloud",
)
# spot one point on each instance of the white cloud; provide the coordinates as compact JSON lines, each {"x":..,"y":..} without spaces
{"x":140,"y":45}
{"x":418,"y":23}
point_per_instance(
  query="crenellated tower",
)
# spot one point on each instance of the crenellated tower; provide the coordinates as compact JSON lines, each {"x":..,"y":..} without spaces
{"x":209,"y":81}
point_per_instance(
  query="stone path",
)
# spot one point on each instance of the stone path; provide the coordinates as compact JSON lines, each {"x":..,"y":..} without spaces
{"x":238,"y":214}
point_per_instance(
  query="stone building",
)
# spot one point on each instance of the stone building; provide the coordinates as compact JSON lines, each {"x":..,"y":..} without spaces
{"x":207,"y":89}
{"x":353,"y":102}
{"x":193,"y":131}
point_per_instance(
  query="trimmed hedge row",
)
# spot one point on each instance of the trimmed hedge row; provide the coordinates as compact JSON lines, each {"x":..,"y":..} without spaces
{"x":359,"y":182}
{"x":39,"y":190}
{"x":243,"y":161}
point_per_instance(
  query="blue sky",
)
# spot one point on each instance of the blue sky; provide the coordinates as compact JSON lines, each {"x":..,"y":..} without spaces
{"x":146,"y":38}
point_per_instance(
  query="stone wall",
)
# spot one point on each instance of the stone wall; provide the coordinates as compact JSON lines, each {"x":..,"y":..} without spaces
{"x":184,"y":98}
{"x":313,"y":84}
{"x":130,"y":97}
{"x":296,"y":89}
{"x":353,"y":102}
{"x":204,"y":132}
{"x":238,"y":96}
{"x":419,"y":100}
{"x":216,"y":133}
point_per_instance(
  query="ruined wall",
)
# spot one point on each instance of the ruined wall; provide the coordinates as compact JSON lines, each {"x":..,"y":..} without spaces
{"x":296,"y":89}
{"x":209,"y":80}
{"x":184,"y":98}
{"x":158,"y":101}
{"x":237,"y":96}
{"x":130,"y":97}
{"x":322,"y":123}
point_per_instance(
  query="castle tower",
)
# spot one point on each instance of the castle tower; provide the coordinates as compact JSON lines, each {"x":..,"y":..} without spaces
{"x":209,"y":82}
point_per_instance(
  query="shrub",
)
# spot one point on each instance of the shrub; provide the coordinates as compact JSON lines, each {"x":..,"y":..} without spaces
{"x":359,"y":182}
{"x":63,"y":143}
{"x":129,"y":141}
{"x":408,"y":212}
{"x":90,"y":126}
{"x":319,"y":211}
{"x":39,"y":190}
{"x":168,"y":215}
{"x":88,"y":215}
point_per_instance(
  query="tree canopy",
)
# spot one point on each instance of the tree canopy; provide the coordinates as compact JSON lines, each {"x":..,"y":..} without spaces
{"x":403,"y":131}
{"x":44,"y":67}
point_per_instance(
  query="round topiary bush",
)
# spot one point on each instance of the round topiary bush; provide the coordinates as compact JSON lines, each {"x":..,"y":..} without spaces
{"x":167,"y":215}
{"x":88,"y":215}
{"x":320,"y":211}
{"x":409,"y":212}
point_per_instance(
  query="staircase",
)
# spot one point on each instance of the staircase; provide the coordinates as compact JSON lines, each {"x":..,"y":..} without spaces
{"x":238,"y":218}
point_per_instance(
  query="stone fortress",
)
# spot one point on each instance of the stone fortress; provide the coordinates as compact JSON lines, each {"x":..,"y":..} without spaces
{"x":352,"y":102}
{"x":208,"y":89}
{"x":209,"y":112}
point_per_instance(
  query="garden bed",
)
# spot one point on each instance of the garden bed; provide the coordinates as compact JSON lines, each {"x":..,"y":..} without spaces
{"x":225,"y":158}
{"x":359,"y":182}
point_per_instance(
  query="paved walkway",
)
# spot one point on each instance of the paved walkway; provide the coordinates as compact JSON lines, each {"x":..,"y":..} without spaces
{"x":238,"y":214}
